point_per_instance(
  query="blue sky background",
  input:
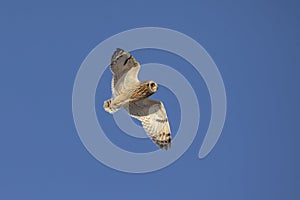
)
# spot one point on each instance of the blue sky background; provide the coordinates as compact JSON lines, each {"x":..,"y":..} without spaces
{"x":255,"y":45}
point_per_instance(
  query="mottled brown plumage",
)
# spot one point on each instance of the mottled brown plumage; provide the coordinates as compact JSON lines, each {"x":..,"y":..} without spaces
{"x":132,"y":95}
{"x":145,"y":89}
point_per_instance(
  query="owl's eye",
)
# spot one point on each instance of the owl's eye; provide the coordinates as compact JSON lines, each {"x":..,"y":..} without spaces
{"x":152,"y":85}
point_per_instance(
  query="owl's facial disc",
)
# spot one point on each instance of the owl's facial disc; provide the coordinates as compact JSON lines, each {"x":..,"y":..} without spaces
{"x":153,"y":86}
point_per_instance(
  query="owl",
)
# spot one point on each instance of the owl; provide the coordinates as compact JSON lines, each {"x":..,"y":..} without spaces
{"x":133,"y":95}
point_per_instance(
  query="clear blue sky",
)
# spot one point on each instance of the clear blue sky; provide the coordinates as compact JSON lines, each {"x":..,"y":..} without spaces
{"x":256,"y":47}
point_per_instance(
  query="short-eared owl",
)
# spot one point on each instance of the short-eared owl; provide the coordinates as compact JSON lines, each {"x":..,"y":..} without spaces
{"x":131,"y":94}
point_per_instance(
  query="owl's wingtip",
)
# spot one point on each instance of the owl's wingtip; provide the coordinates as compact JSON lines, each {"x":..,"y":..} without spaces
{"x":163,"y":144}
{"x":118,"y":49}
{"x":166,"y":147}
{"x":118,"y":53}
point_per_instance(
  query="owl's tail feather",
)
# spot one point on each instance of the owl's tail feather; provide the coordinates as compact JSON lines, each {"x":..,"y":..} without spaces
{"x":113,"y":105}
{"x":108,"y":106}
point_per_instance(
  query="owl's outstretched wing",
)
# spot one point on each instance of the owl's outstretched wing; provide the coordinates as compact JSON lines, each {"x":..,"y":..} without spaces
{"x":154,"y":119}
{"x":125,"y":70}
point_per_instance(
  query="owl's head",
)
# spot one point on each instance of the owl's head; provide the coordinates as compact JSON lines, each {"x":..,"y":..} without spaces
{"x":152,"y":86}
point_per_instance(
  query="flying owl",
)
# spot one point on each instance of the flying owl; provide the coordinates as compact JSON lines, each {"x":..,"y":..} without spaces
{"x":132,"y":95}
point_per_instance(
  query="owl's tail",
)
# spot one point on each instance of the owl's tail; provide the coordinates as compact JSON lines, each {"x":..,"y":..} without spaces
{"x":114,"y":104}
{"x":108,"y":106}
